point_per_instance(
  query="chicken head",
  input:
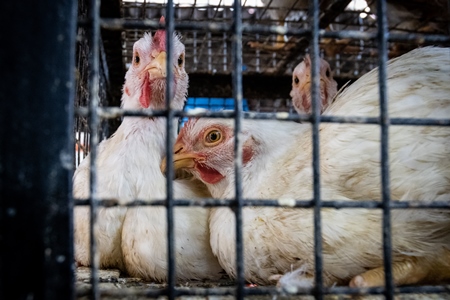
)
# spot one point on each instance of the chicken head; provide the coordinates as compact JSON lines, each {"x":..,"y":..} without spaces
{"x":145,"y":81}
{"x":207,"y":151}
{"x":301,"y":86}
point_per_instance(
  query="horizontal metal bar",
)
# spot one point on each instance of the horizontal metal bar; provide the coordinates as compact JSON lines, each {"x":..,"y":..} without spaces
{"x":210,"y":202}
{"x":344,"y":290}
{"x":114,"y":112}
{"x":274,"y":291}
{"x":393,"y":37}
{"x":153,"y":293}
{"x":216,"y":27}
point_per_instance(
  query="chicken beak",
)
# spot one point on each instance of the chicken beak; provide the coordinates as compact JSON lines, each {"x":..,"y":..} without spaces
{"x":157,"y":67}
{"x":304,"y":85}
{"x":181,"y":159}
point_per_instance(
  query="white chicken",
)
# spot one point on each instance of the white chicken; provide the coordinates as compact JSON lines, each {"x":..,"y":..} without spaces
{"x":277,"y":164}
{"x":301,"y":86}
{"x":135,"y":239}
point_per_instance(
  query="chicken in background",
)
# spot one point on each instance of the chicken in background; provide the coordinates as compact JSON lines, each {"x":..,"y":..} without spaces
{"x":277,"y":164}
{"x":301,"y":86}
{"x":135,"y":239}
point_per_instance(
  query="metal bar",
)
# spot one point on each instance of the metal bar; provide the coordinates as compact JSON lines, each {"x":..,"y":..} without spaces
{"x":207,"y":202}
{"x":384,"y":117}
{"x":217,"y":27}
{"x":94,"y":121}
{"x":209,"y":51}
{"x":114,"y":112}
{"x":273,"y":291}
{"x":238,"y":95}
{"x":393,"y":37}
{"x":195,"y":50}
{"x":448,"y":15}
{"x":36,"y":149}
{"x":225,"y":51}
{"x":171,"y":268}
{"x":315,"y":81}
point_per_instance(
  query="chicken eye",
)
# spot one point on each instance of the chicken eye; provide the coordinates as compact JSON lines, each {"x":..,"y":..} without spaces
{"x":296,"y":80}
{"x":328,"y":73}
{"x":213,"y":137}
{"x":137,"y":59}
{"x":180,"y":60}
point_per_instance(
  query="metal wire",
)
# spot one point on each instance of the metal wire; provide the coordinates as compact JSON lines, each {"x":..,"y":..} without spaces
{"x":273,"y":291}
{"x":110,"y":112}
{"x":315,"y":82}
{"x":237,"y":29}
{"x":384,"y":143}
{"x":171,"y":279}
{"x":211,"y":202}
{"x":94,"y":39}
{"x":220,"y":27}
{"x":238,"y":95}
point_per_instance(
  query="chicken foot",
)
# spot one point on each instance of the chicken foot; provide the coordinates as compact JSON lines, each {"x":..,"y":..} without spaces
{"x":410,"y":271}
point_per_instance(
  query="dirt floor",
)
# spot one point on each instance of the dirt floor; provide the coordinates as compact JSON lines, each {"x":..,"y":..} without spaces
{"x":114,"y":286}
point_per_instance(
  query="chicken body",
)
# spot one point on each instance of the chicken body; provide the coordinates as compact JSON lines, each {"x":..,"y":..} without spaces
{"x":277,"y":164}
{"x":301,"y":86}
{"x":135,"y":239}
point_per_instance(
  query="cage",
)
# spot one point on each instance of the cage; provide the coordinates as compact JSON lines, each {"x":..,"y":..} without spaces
{"x":240,"y":56}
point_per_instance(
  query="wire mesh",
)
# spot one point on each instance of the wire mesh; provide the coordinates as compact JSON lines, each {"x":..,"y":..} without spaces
{"x":350,"y":58}
{"x":228,"y":52}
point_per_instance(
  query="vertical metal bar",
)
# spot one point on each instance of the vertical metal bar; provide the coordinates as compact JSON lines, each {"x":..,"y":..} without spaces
{"x":337,"y":69}
{"x":315,"y":53}
{"x":194,"y":46}
{"x":169,"y":141}
{"x":36,"y":149}
{"x":209,"y":51}
{"x":225,"y":51}
{"x":448,"y":15}
{"x":384,"y":116}
{"x":238,"y":95}
{"x":94,"y":120}
{"x":257,"y":55}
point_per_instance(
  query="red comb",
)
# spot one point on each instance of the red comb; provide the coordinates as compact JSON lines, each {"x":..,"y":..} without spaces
{"x":159,"y":40}
{"x":307,"y":60}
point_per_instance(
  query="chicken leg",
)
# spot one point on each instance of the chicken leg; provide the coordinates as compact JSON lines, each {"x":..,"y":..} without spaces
{"x":410,"y":271}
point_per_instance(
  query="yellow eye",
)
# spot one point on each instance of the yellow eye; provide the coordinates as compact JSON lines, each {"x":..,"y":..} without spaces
{"x":296,"y":80}
{"x":213,"y":137}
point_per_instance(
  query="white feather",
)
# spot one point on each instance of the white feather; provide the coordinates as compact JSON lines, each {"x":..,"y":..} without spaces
{"x":281,"y":167}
